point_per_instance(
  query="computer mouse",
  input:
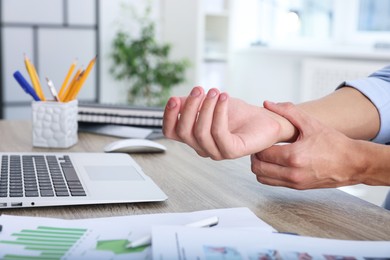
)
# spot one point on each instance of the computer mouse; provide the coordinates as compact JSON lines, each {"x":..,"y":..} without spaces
{"x":134,"y":146}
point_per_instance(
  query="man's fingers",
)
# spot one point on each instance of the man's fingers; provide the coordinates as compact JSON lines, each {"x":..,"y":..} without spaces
{"x":220,"y":128}
{"x":267,"y":169}
{"x":279,"y":154}
{"x":180,"y":117}
{"x":182,"y":101}
{"x":274,"y":182}
{"x":188,"y":116}
{"x":202,"y":130}
{"x":271,"y":170}
{"x":275,"y":175}
{"x":170,"y":118}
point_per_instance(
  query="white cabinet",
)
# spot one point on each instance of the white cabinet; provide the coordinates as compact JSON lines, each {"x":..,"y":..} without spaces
{"x":216,"y":32}
{"x":200,"y":32}
{"x":216,"y":44}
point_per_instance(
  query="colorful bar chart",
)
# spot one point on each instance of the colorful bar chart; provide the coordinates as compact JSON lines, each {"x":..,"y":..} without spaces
{"x":44,"y":241}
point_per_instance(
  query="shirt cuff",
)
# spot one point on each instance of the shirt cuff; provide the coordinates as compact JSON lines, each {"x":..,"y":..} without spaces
{"x":378,"y":92}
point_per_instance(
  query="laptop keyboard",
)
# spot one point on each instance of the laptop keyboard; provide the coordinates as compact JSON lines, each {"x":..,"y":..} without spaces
{"x":38,"y":176}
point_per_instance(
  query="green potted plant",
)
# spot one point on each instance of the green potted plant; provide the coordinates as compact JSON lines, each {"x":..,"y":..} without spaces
{"x":145,"y":65}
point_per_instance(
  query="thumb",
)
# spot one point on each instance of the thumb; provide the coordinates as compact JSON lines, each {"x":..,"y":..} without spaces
{"x":289,"y":111}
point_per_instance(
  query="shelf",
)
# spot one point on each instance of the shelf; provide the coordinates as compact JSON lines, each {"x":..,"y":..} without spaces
{"x":216,"y":7}
{"x":205,"y":39}
{"x":220,"y":57}
{"x":216,"y":17}
{"x":323,"y":51}
{"x":221,"y":14}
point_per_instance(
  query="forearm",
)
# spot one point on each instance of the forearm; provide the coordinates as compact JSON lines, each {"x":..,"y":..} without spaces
{"x":348,"y":111}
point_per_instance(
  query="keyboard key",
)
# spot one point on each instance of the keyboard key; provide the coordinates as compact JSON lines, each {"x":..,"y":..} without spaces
{"x":30,"y":185}
{"x":61,"y":189}
{"x":62,"y":193}
{"x":31,"y":189}
{"x":32,"y":193}
{"x":16,"y":194}
{"x":46,"y":188}
{"x":70,"y":174}
{"x":78,"y":193}
{"x":47,"y":193}
{"x":75,"y":183}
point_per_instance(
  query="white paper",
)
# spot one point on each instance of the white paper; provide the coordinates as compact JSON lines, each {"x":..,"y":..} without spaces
{"x":175,"y":242}
{"x":102,"y":238}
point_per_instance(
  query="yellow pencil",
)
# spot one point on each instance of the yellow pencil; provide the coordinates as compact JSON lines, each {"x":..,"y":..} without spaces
{"x":67,"y":93}
{"x":40,"y":92}
{"x":65,"y":83}
{"x":83,"y":77}
{"x":34,"y":78}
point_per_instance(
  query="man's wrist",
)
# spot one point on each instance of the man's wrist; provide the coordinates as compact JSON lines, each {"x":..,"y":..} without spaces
{"x":373,"y":162}
{"x":288,"y":132}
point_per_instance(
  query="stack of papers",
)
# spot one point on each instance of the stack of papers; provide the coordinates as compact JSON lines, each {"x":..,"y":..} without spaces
{"x":101,"y":238}
{"x":252,"y":243}
{"x":239,"y":234}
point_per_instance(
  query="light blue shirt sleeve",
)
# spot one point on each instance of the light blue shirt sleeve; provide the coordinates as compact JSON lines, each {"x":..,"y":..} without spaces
{"x":376,"y":87}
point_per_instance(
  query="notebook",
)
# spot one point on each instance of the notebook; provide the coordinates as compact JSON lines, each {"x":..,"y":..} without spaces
{"x":147,"y":117}
{"x":58,"y":179}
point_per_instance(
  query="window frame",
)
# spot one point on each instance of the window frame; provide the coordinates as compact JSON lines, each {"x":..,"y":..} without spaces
{"x":346,"y":26}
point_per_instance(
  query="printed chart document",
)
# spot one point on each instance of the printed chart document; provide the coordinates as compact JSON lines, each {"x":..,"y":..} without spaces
{"x":101,"y":238}
{"x":176,"y":242}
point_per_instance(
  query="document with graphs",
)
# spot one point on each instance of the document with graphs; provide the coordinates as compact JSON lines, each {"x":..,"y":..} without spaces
{"x":101,"y":238}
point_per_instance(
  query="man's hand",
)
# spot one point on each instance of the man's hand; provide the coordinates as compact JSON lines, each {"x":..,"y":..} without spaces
{"x":320,"y":157}
{"x":221,"y":127}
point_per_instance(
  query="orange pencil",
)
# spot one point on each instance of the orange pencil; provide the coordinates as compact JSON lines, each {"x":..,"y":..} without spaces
{"x":67,"y":93}
{"x":83,"y":77}
{"x":65,"y":83}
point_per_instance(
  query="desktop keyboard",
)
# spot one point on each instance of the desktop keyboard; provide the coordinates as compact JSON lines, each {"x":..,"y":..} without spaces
{"x":38,"y":175}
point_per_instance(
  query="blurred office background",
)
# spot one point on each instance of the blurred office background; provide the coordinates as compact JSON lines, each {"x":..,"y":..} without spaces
{"x":278,"y":50}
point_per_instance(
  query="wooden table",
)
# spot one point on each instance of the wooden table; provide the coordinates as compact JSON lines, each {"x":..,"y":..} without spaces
{"x":193,"y":183}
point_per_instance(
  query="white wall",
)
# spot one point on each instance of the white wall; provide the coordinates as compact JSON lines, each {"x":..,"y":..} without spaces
{"x":277,"y":74}
{"x":181,"y":23}
{"x":256,"y":76}
{"x":113,"y":17}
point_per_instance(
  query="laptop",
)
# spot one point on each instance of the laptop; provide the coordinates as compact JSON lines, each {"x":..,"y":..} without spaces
{"x":58,"y":179}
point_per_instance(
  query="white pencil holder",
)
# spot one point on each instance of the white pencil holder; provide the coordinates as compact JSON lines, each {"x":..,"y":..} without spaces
{"x":54,"y":124}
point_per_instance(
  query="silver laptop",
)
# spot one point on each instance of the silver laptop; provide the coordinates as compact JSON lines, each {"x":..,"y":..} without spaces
{"x":57,"y":179}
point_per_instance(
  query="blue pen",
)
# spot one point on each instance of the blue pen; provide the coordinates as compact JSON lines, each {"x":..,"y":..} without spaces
{"x":25,"y":85}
